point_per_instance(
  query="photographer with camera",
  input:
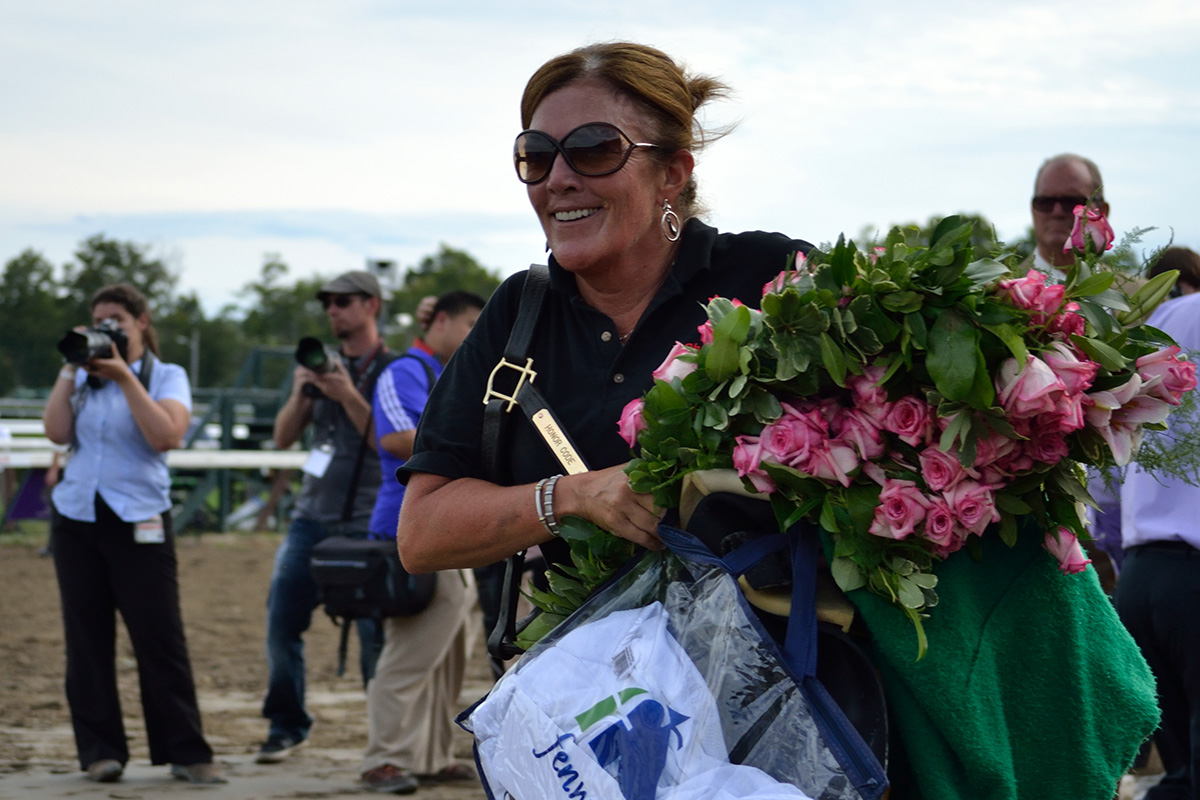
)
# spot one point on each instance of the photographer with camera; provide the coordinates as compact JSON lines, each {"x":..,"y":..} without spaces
{"x":121,"y":408}
{"x":331,"y":391}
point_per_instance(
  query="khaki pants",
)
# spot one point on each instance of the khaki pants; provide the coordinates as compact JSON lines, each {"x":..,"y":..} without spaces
{"x":413,"y":698}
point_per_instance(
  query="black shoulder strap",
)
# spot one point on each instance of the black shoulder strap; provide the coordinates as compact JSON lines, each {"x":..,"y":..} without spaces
{"x":515,"y":354}
{"x":374,"y":369}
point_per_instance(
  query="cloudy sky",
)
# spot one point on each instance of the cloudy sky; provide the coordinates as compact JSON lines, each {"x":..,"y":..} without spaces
{"x":331,"y":133}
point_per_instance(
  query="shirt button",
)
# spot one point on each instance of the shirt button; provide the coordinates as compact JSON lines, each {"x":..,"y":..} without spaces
{"x":606,"y":336}
{"x":618,"y":378}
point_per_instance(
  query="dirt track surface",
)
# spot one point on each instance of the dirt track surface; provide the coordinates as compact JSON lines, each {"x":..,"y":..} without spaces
{"x":223,"y":585}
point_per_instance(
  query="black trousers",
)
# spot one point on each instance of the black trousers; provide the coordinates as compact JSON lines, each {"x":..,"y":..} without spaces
{"x":102,"y":570}
{"x":1158,"y":600}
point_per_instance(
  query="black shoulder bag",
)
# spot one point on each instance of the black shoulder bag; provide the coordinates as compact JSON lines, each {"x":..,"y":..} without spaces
{"x":363,"y":578}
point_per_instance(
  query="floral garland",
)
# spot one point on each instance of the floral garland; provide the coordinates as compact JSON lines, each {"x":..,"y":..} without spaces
{"x":907,"y":399}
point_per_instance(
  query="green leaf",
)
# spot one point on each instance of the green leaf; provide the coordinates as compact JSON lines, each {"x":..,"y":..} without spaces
{"x":910,"y":594}
{"x":1008,"y":529}
{"x":984,"y":271}
{"x":952,"y":361}
{"x":1093,"y":285}
{"x":834,"y":360}
{"x":847,"y":575}
{"x":1101,"y":353}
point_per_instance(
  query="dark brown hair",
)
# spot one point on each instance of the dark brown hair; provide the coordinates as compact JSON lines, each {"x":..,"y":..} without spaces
{"x":648,"y":77}
{"x":135,"y":303}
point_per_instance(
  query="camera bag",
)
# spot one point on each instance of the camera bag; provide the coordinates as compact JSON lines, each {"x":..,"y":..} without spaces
{"x":363,"y":578}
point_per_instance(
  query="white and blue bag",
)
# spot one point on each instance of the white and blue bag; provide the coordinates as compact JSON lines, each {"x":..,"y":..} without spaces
{"x":665,"y":686}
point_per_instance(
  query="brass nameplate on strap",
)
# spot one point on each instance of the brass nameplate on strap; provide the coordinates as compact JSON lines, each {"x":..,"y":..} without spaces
{"x":570,"y":460}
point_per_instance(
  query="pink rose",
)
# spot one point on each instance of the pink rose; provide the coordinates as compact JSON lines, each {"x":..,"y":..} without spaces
{"x":831,"y":460}
{"x":748,"y":454}
{"x":789,"y":438}
{"x":1068,"y":323}
{"x":673,"y":366}
{"x":973,"y":505}
{"x":632,"y":421}
{"x":1064,"y":546}
{"x":1047,"y":446}
{"x":910,"y":419}
{"x":1028,"y":390}
{"x":786,"y":278}
{"x":859,"y":429}
{"x":940,"y":470}
{"x":867,"y":396}
{"x":706,"y":332}
{"x":940,"y":528}
{"x":1166,"y":377}
{"x":1076,"y":375}
{"x":1024,"y":292}
{"x":901,"y":508}
{"x":1091,"y":232}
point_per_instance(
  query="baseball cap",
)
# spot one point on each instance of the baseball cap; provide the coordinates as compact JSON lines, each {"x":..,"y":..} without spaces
{"x":353,"y":282}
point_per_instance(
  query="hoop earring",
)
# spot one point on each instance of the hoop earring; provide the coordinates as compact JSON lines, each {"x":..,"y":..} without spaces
{"x":672,"y":226}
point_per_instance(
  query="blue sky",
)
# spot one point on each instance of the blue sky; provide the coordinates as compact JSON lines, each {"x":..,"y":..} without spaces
{"x":331,"y":133}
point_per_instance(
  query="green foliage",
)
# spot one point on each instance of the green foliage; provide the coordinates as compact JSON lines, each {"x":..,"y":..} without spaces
{"x":39,"y":303}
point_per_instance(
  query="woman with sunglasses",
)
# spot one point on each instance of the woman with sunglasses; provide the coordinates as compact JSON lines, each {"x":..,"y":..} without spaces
{"x":607,"y":156}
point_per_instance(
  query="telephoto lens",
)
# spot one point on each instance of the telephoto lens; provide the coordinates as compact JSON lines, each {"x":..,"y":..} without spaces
{"x":80,"y":347}
{"x":313,"y":354}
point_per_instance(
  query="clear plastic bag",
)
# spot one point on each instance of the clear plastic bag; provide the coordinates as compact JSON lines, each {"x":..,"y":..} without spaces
{"x":665,"y":685}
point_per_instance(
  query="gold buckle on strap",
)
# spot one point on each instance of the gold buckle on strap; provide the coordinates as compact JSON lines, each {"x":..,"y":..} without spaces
{"x":523,"y":372}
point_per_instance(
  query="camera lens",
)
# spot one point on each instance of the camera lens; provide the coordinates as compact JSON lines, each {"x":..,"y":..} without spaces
{"x":311,"y":353}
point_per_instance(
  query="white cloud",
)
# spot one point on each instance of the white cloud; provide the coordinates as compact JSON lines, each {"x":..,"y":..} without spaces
{"x":370,"y":122}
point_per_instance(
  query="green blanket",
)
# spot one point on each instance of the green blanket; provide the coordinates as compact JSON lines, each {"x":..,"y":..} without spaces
{"x":1031,"y":687}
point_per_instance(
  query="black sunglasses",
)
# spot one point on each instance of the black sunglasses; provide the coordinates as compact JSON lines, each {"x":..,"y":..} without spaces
{"x":1045,"y":202}
{"x":592,"y":149}
{"x":339,"y":300}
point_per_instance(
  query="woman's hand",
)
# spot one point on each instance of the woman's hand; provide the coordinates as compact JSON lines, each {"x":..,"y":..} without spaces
{"x":603,"y":497}
{"x":112,"y":368}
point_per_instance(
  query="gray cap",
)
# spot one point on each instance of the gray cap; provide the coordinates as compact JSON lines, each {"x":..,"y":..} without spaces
{"x":353,"y":282}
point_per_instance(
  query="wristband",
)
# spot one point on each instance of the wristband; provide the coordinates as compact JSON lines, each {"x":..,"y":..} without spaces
{"x":545,"y":497}
{"x":68,"y":373}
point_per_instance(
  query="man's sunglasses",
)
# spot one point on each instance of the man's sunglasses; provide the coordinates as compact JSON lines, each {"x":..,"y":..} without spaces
{"x":339,"y":300}
{"x":1045,"y":202}
{"x":592,"y":149}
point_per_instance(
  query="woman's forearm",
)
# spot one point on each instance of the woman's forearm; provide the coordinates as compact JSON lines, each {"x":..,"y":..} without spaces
{"x":448,"y":524}
{"x":57,"y":417}
{"x":163,"y":423}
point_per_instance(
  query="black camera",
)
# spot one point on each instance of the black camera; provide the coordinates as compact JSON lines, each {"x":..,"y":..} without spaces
{"x":313,"y":353}
{"x":80,"y":347}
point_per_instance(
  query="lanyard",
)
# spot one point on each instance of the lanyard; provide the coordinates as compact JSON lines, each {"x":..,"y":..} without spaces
{"x":360,"y":379}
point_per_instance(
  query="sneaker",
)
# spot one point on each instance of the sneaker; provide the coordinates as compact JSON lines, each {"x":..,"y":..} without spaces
{"x":390,"y":779}
{"x":277,"y":749}
{"x":198,"y":773}
{"x":106,"y":770}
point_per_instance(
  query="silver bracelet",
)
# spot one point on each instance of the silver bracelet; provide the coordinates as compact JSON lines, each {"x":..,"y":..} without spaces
{"x":549,"y":520}
{"x":539,"y":503}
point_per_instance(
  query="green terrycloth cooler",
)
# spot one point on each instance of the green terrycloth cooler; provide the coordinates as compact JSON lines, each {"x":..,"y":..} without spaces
{"x":1031,"y":687}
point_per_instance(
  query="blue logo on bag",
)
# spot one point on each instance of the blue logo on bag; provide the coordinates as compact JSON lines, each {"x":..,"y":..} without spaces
{"x":630,"y":734}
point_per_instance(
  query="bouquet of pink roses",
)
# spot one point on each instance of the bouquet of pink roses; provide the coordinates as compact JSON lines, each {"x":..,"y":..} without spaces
{"x":909,"y":398}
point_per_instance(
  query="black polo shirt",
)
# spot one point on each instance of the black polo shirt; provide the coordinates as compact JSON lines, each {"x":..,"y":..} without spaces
{"x":584,"y":373}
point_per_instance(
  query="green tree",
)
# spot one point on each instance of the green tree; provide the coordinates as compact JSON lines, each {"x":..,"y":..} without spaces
{"x":100,"y":261}
{"x":445,"y":271}
{"x":32,"y":320}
